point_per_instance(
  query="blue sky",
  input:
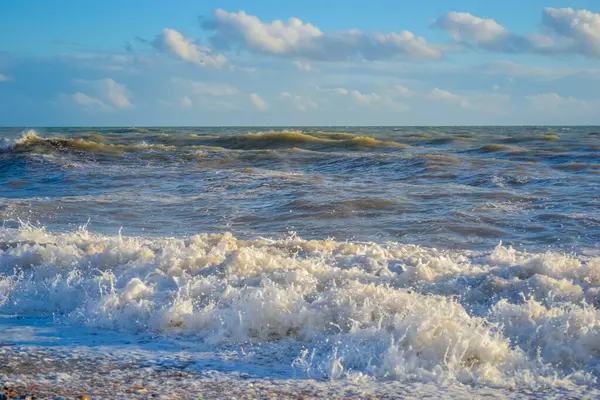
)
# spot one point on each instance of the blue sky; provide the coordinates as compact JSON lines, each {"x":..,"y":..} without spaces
{"x":382,"y":62}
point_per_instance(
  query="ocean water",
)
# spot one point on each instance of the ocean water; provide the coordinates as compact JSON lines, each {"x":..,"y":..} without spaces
{"x":462,"y":259}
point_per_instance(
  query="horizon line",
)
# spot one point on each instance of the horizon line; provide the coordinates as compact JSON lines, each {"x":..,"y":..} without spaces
{"x":293,"y":126}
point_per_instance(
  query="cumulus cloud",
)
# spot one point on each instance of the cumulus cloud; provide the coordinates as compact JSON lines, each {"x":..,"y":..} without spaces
{"x":174,"y":43}
{"x":295,"y":38}
{"x":4,"y":78}
{"x":108,"y":94}
{"x":449,"y":97}
{"x":467,"y":27}
{"x":356,"y":95}
{"x":552,"y":102}
{"x":580,"y":27}
{"x":117,"y":93}
{"x":258,"y":102}
{"x":564,"y":31}
{"x":487,"y":34}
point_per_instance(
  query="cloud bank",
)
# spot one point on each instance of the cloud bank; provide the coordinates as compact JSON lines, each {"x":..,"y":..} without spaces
{"x":297,"y":39}
{"x":564,"y":31}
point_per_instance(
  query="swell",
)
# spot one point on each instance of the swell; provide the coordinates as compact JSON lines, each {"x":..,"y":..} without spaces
{"x":97,"y":143}
{"x":31,"y":142}
{"x":318,"y":141}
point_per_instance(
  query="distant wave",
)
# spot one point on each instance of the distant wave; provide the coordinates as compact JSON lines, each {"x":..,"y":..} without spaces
{"x":32,"y":141}
{"x":96,"y":143}
{"x":299,"y":139}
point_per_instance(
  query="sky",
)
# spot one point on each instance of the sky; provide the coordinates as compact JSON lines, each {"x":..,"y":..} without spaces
{"x":284,"y":63}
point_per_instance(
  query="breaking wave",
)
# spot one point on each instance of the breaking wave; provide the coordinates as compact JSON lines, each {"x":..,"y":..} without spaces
{"x":31,"y":141}
{"x":386,"y":311}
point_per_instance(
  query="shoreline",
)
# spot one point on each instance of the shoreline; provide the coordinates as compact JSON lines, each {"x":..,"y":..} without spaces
{"x":49,"y":373}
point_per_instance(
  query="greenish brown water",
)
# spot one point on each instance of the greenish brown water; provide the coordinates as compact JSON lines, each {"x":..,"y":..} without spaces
{"x":457,"y":187}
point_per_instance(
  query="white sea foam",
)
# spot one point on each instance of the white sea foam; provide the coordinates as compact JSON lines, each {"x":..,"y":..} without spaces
{"x":25,"y":137}
{"x":325,"y":308}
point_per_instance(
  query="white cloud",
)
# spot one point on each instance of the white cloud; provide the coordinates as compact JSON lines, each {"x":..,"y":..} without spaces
{"x":449,"y":97}
{"x":174,"y":43}
{"x":210,"y":104}
{"x":369,"y":99}
{"x":469,"y":28}
{"x":295,"y":38}
{"x":341,"y":91}
{"x":4,"y":78}
{"x":402,"y":91}
{"x":276,"y":37}
{"x":580,"y":27}
{"x":117,"y":93}
{"x":303,"y":66}
{"x":186,"y":102}
{"x":88,"y":101}
{"x":301,"y":103}
{"x":405,"y":43}
{"x":565,"y":31}
{"x":482,"y":33}
{"x":353,"y":94}
{"x":492,"y":103}
{"x":364,"y":98}
{"x":108,"y":94}
{"x":552,"y":102}
{"x":259,"y":103}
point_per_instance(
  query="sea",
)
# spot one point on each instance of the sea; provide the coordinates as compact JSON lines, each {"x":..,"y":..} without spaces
{"x":337,"y":262}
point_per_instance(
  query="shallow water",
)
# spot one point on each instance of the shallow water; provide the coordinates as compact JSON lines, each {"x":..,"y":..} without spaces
{"x":358,"y":254}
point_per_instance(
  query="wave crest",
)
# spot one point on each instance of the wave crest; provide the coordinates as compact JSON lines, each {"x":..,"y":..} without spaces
{"x":280,"y":140}
{"x":322,"y":141}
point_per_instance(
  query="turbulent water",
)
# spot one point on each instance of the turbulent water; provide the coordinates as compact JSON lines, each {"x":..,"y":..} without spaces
{"x":459,"y":255}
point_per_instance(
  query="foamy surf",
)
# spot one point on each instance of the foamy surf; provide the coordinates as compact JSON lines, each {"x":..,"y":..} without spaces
{"x":321,"y":308}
